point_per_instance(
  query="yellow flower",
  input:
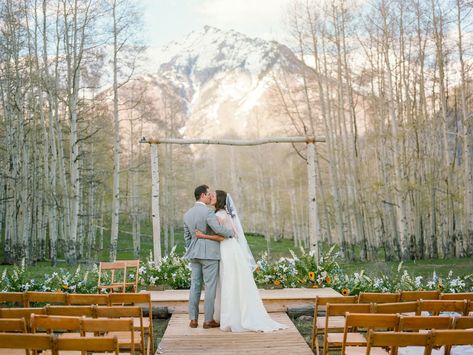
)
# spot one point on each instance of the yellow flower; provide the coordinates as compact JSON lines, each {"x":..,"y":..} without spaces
{"x":345,"y":292}
{"x":440,"y":286}
{"x":315,"y":286}
{"x":257,"y":269}
{"x":65,"y":287}
{"x":312,"y":275}
{"x":328,"y":279}
{"x":277,"y":282}
{"x":301,"y":281}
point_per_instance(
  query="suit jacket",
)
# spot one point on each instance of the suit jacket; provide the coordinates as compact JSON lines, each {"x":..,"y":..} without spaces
{"x":203,"y":218}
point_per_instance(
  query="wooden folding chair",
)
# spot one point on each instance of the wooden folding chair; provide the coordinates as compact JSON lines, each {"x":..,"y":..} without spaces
{"x":396,"y":307}
{"x":435,"y":307}
{"x":336,"y":322}
{"x":457,"y":296}
{"x":377,"y":297}
{"x":353,"y":341}
{"x":35,"y":299}
{"x":71,"y":311}
{"x":77,"y":299}
{"x":419,"y":323}
{"x":121,"y":328}
{"x":125,"y":312}
{"x":419,"y":295}
{"x":15,"y":299}
{"x":394,"y":340}
{"x":64,"y":325}
{"x":99,"y":344}
{"x":26,"y":342}
{"x":138,"y":299}
{"x":453,"y":340}
{"x":333,"y":337}
{"x":114,"y":276}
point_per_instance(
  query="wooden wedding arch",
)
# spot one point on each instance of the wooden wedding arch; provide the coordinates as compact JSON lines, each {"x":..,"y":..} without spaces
{"x":314,"y":228}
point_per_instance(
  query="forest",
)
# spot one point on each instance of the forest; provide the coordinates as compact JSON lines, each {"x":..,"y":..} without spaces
{"x":387,"y":83}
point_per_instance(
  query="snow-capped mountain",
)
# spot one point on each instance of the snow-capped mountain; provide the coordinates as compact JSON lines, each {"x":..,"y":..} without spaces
{"x":226,"y":81}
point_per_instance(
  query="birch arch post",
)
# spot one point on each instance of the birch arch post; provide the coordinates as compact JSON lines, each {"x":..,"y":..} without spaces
{"x":314,"y":226}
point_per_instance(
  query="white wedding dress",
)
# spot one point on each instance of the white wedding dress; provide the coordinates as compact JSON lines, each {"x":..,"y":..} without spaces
{"x":238,"y":304}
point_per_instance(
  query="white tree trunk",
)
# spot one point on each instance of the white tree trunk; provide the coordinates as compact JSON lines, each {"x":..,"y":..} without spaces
{"x":314,"y":228}
{"x":155,"y":203}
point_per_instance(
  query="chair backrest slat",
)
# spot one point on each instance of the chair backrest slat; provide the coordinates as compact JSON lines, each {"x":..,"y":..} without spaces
{"x":20,"y":313}
{"x":398,"y":339}
{"x":118,"y":312}
{"x":15,"y":298}
{"x":452,"y":337}
{"x":437,"y":306}
{"x":17,"y":325}
{"x":129,"y":298}
{"x":55,"y":323}
{"x":370,"y":320}
{"x":25,"y":341}
{"x":106,"y":325}
{"x":73,"y":311}
{"x":340,"y":309}
{"x":45,"y":298}
{"x":464,"y":322}
{"x":377,"y":297}
{"x":87,"y":299}
{"x":457,"y":296}
{"x":410,"y":323}
{"x":99,"y":344}
{"x":397,"y":307}
{"x":419,"y":295}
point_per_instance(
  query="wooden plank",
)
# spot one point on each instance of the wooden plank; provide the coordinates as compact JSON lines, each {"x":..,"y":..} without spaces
{"x":179,"y":338}
{"x":275,"y":300}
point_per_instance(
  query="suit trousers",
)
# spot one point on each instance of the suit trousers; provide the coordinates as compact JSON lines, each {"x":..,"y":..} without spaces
{"x":206,"y":270}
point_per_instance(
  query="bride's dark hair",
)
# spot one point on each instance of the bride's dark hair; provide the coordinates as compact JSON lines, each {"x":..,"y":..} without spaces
{"x":221,"y":200}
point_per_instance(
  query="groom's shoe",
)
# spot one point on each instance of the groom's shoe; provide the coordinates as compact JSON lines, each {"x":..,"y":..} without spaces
{"x":211,"y":324}
{"x":193,"y":323}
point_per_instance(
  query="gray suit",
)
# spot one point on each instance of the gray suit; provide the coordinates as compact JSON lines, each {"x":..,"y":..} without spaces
{"x":204,"y":256}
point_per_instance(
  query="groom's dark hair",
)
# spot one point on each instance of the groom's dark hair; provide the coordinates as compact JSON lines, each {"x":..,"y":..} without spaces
{"x":199,"y":190}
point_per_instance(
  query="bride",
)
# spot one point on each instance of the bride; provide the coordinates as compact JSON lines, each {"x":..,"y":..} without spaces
{"x":239,"y":302}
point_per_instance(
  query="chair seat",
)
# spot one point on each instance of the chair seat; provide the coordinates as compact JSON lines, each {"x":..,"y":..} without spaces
{"x":337,"y":322}
{"x":136,"y":323}
{"x":352,"y":339}
{"x":124,"y":338}
{"x":361,"y":350}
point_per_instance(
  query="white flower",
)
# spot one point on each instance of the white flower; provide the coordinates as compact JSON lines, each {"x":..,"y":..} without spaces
{"x":418,"y":281}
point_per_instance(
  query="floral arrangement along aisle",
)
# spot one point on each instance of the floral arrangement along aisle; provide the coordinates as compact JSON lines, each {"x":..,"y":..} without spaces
{"x":298,"y":271}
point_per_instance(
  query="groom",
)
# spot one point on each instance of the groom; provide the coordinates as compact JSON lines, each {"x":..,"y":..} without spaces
{"x":204,"y":255}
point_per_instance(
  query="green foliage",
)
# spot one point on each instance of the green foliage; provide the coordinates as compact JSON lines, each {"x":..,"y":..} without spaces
{"x":18,"y":280}
{"x":174,"y":272}
{"x":297,"y":271}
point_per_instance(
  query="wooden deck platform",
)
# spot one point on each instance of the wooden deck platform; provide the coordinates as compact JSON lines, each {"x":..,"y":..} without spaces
{"x":275,"y":300}
{"x":179,"y":338}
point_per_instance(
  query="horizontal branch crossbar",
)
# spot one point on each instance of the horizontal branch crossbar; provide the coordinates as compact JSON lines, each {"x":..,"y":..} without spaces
{"x":241,"y":142}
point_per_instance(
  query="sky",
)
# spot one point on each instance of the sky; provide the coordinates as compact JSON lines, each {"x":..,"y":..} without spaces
{"x":170,"y":20}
